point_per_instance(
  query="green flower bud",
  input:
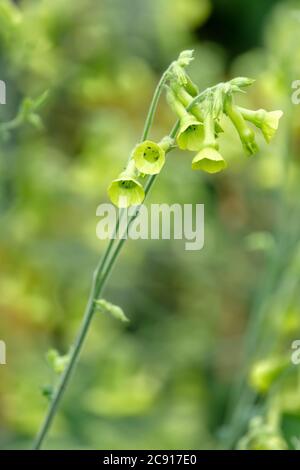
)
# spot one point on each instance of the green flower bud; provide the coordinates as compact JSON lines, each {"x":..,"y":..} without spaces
{"x":268,"y":122}
{"x":246,"y":134}
{"x":149,"y":157}
{"x":185,"y":57}
{"x":126,"y":190}
{"x":190,"y":133}
{"x":209,"y":160}
{"x":241,"y":82}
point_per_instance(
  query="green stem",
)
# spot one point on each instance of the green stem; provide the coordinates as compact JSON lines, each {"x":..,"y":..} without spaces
{"x":153,"y":105}
{"x":101,"y":274}
{"x":11,"y":125}
{"x":100,"y":277}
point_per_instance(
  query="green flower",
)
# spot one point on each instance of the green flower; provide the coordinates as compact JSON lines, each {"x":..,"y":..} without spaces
{"x":190,"y":134}
{"x":246,"y":134}
{"x":268,"y":122}
{"x":209,"y":160}
{"x":126,"y":190}
{"x":149,"y":157}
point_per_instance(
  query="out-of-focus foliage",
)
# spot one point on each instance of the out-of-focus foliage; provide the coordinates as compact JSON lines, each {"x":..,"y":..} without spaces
{"x":199,"y":321}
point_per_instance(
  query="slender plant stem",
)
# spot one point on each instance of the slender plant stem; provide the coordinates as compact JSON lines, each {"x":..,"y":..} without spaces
{"x":101,"y":275}
{"x":153,"y":105}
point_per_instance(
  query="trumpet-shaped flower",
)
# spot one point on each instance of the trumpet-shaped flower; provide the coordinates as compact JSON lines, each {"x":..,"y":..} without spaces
{"x":268,"y":122}
{"x":190,"y":134}
{"x":149,"y":157}
{"x":126,"y":190}
{"x":209,"y":160}
{"x":246,"y":134}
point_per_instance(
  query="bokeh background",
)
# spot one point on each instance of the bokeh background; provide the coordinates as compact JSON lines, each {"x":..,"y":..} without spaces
{"x":205,"y":361}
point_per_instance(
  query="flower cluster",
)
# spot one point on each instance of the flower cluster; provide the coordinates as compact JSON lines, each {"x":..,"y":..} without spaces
{"x":197,"y":130}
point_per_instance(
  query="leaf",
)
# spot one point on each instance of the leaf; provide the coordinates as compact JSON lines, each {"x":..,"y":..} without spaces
{"x":36,"y":121}
{"x":40,"y":100}
{"x":114,"y":310}
{"x":29,"y":105}
{"x":56,"y":361}
{"x":47,"y":391}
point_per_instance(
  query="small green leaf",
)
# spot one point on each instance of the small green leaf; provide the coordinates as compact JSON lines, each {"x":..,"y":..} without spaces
{"x":35,"y":120}
{"x":114,"y":310}
{"x":47,"y":391}
{"x":56,"y":361}
{"x":28,"y":108}
{"x":40,"y":100}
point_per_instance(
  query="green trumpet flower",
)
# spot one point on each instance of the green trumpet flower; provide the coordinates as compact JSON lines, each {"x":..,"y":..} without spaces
{"x":209,"y":160}
{"x":186,"y":98}
{"x":126,"y":190}
{"x":268,"y":122}
{"x":190,"y":133}
{"x":246,"y":134}
{"x":149,"y":157}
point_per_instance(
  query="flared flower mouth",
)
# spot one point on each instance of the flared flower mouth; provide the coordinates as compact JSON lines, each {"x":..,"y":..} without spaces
{"x":270,"y":124}
{"x":191,"y":134}
{"x":126,"y":191}
{"x":149,"y":157}
{"x":209,"y":160}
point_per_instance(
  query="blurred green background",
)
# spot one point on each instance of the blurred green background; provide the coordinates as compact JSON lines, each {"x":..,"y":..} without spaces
{"x":205,"y":361}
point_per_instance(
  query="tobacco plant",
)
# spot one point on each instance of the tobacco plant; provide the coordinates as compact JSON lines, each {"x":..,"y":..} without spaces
{"x":197,"y":129}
